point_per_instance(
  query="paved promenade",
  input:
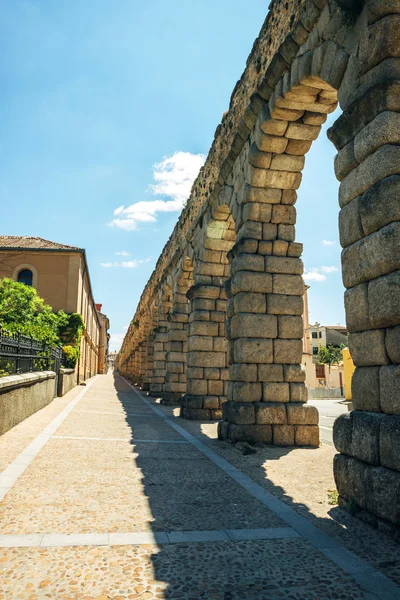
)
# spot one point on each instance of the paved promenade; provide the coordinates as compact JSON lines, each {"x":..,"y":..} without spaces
{"x":104,"y":494}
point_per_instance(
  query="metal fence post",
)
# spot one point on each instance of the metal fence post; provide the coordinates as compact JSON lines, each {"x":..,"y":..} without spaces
{"x":18,"y":352}
{"x":31,"y":356}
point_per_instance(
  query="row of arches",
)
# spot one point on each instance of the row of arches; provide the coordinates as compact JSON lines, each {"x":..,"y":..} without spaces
{"x":219,"y":329}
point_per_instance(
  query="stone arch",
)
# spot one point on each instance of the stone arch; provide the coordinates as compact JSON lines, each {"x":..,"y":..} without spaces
{"x":366,"y":137}
{"x":178,"y":320}
{"x":136,"y":358}
{"x":127,"y":360}
{"x":267,"y":394}
{"x":145,"y":327}
{"x":207,"y":371}
{"x":125,"y":356}
{"x":164,"y":304}
{"x":149,"y":348}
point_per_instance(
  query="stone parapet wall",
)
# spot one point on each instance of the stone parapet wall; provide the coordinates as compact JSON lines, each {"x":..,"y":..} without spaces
{"x":67,"y":380}
{"x":23,"y":395}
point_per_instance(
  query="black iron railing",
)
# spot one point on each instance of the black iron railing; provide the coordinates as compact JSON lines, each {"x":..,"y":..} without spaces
{"x":23,"y":354}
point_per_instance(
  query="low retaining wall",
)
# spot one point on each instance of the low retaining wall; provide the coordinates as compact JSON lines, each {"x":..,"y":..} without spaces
{"x":324,"y":393}
{"x":66,"y":381}
{"x":22,"y":395}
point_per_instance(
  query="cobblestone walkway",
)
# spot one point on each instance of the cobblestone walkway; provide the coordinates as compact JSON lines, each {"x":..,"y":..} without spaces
{"x":107,"y":495}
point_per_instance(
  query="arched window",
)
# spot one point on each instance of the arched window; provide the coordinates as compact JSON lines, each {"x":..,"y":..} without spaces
{"x":25,"y":276}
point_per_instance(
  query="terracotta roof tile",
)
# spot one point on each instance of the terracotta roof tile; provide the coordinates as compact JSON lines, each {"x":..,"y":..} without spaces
{"x":24,"y":242}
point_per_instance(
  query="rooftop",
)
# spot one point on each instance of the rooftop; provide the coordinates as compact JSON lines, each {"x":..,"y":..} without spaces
{"x":25,"y":242}
{"x":337,"y":328}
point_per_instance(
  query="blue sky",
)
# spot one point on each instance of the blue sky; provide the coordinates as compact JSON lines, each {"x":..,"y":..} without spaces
{"x":105,"y":105}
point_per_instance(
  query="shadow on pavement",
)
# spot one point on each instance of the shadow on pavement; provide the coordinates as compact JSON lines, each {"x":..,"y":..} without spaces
{"x":187,"y":492}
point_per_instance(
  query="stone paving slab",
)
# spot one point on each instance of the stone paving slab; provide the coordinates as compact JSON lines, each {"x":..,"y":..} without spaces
{"x":14,"y":441}
{"x":44,"y":540}
{"x":112,"y":456}
{"x":109,"y":426}
{"x":251,"y":570}
{"x":124,"y":505}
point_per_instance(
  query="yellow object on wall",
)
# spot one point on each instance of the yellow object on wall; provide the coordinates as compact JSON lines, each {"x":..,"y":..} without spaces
{"x":348,"y":367}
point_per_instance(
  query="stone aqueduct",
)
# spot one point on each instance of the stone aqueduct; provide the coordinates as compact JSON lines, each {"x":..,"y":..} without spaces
{"x":219,"y":325}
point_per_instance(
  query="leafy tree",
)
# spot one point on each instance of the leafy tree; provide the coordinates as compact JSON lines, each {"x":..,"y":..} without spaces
{"x":330,"y":355}
{"x":22,"y":309}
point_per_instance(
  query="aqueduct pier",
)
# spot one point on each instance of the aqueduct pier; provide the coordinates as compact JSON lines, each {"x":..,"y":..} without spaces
{"x":219,"y":326}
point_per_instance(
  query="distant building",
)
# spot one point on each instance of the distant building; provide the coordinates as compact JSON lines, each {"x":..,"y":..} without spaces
{"x":322,"y":381}
{"x":60,"y":274}
{"x":104,"y":340}
{"x":111,"y":359}
{"x":326,"y":335}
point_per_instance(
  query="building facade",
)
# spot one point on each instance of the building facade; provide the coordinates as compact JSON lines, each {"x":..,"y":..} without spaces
{"x":111,"y":359}
{"x":326,"y":335}
{"x":321,"y":380}
{"x":60,"y":275}
{"x":104,"y":340}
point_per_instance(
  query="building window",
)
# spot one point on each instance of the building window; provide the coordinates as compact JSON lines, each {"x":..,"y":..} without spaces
{"x":320,"y":371}
{"x":315,"y":350}
{"x":26,"y":277}
{"x":320,"y":334}
{"x":314,"y":335}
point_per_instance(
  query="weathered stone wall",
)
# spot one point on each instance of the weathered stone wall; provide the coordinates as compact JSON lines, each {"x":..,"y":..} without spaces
{"x":367,"y":471}
{"x":22,"y":395}
{"x":67,"y":380}
{"x":234,"y":350}
{"x":176,"y":344}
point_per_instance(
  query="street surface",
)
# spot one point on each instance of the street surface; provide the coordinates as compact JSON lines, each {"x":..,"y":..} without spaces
{"x":328,"y":410}
{"x":106,"y":495}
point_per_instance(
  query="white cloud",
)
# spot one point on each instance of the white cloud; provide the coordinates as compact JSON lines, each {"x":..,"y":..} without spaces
{"x":131,"y":264}
{"x":123,"y":253}
{"x":313,"y":276}
{"x":317,"y":273}
{"x":322,"y":269}
{"x":126,"y":264}
{"x":116,"y":340}
{"x":173,"y":178}
{"x":328,"y":269}
{"x":328,"y":242}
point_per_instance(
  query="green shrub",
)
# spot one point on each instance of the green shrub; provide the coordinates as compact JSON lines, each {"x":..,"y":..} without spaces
{"x":70,"y":356}
{"x":6,"y":367}
{"x":333,"y":497}
{"x":71,"y":332}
